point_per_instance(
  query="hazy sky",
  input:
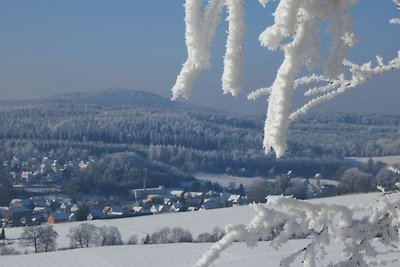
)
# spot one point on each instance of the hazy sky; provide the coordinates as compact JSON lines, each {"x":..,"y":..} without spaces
{"x":53,"y":46}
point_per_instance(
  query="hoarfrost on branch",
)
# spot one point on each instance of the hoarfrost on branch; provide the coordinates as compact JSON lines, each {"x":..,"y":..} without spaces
{"x":297,"y":21}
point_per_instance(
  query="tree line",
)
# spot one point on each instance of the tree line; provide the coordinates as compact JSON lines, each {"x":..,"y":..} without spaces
{"x":84,"y":235}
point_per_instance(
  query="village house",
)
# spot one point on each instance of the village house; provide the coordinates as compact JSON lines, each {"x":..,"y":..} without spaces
{"x":18,"y":214}
{"x":114,"y":211}
{"x":60,"y":217}
{"x":95,"y":214}
{"x":5,"y":213}
{"x":156,"y":209}
{"x":142,"y":193}
{"x":194,"y":199}
{"x":237,"y":200}
{"x":177,"y":207}
{"x":27,"y":203}
{"x":44,"y":212}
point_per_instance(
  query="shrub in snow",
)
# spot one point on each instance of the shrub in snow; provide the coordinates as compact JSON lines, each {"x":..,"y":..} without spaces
{"x":6,"y":250}
{"x":133,"y":240}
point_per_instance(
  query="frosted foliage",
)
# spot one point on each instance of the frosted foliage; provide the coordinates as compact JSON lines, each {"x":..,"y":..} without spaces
{"x":300,"y":20}
{"x":231,"y":77}
{"x":284,"y":218}
{"x":201,"y":23}
{"x":295,"y":32}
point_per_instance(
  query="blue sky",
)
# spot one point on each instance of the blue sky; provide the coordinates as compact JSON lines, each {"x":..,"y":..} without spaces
{"x":53,"y":46}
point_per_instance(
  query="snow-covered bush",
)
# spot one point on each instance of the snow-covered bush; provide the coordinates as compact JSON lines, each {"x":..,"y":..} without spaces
{"x":5,"y":250}
{"x":133,"y":240}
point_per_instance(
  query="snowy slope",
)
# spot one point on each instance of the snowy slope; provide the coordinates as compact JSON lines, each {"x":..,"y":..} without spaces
{"x":177,"y":254}
{"x":225,"y":179}
{"x":196,"y":222}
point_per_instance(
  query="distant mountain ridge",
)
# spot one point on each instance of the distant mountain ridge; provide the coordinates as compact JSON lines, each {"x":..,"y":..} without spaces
{"x":114,"y":97}
{"x":124,"y":116}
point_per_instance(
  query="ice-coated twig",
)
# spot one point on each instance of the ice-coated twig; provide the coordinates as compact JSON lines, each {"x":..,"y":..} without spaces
{"x":359,"y":75}
{"x":259,"y":92}
{"x":200,"y":32}
{"x":232,"y":75}
{"x":201,"y":24}
{"x":299,"y":19}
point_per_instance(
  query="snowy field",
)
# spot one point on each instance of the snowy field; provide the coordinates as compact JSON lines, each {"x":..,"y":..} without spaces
{"x":387,"y":159}
{"x":196,"y":222}
{"x":225,"y":179}
{"x":168,"y":255}
{"x":179,"y":254}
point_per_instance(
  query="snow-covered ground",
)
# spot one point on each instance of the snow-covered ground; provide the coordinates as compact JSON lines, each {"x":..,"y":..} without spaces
{"x":225,"y":179}
{"x":196,"y":222}
{"x":387,"y":159}
{"x":179,"y":254}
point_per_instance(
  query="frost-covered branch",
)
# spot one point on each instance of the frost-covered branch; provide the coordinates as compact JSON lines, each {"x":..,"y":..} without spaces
{"x":201,"y":24}
{"x":359,"y":75}
{"x":231,"y":77}
{"x":295,"y":32}
{"x":298,"y":19}
{"x":284,"y":218}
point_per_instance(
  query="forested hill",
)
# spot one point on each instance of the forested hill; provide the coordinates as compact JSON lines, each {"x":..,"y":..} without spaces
{"x":112,"y":97}
{"x":176,"y":136}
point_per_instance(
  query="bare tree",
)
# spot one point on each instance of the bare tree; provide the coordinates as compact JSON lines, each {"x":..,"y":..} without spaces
{"x":42,"y":238}
{"x":161,"y":236}
{"x":259,"y":190}
{"x":47,"y":238}
{"x":109,"y":236}
{"x":30,"y":237}
{"x":167,"y":235}
{"x":83,"y":235}
{"x":179,"y":235}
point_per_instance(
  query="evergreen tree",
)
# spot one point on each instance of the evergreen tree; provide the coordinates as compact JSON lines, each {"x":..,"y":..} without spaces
{"x":2,"y":234}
